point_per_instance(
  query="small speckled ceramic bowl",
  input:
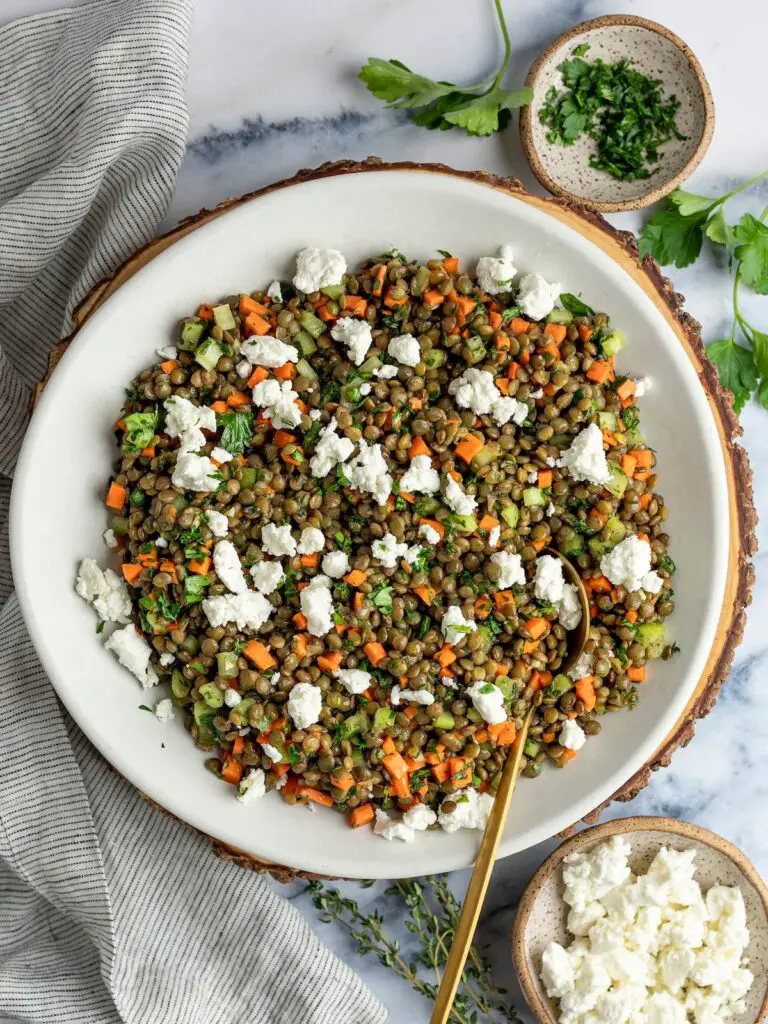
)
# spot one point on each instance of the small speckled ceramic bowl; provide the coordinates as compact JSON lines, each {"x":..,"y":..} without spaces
{"x":541,"y":914}
{"x":656,"y":52}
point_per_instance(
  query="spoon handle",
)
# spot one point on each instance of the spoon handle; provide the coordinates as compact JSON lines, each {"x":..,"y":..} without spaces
{"x":478,"y":883}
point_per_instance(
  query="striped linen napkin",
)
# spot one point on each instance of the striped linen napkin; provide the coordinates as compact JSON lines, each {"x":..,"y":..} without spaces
{"x":109,"y":911}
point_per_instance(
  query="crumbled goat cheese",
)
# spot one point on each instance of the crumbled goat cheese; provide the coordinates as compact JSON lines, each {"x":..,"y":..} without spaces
{"x":318,"y":268}
{"x":274,"y":678}
{"x":226,"y":562}
{"x":249,"y":610}
{"x":368,"y":472}
{"x":549,"y":581}
{"x":161,"y":542}
{"x":267,"y":576}
{"x":455,"y":626}
{"x":494,"y":536}
{"x":275,"y":292}
{"x":305,"y":702}
{"x":642,"y":386}
{"x":133,"y":652}
{"x":354,"y":680}
{"x":585,"y":458}
{"x":330,"y":450}
{"x":168,"y":352}
{"x":166,"y":659}
{"x":317,"y":605}
{"x":629,"y":565}
{"x":429,"y":533}
{"x":572,"y":735}
{"x":315,"y":414}
{"x":411,"y":696}
{"x":583,"y":666}
{"x":392,"y":828}
{"x":471,"y":811}
{"x":366,"y":387}
{"x":277,"y":540}
{"x":218,"y":523}
{"x":278,"y":400}
{"x":105,"y":590}
{"x":336,"y":564}
{"x":551,"y":509}
{"x":475,"y":389}
{"x":243,"y":369}
{"x":195,"y":473}
{"x":251,"y":786}
{"x":311,"y":541}
{"x":386,"y":372}
{"x":533,"y":476}
{"x":414,"y":553}
{"x":488,"y":699}
{"x":447,"y":681}
{"x":536,"y":297}
{"x":232,"y":697}
{"x":109,"y":538}
{"x":268,"y":351}
{"x":458,"y":501}
{"x":511,"y":566}
{"x":538,"y":393}
{"x":420,"y":476}
{"x":569,"y":607}
{"x":405,"y":349}
{"x":164,"y":710}
{"x":356,"y":335}
{"x":495,"y":273}
{"x":388,"y":549}
{"x":272,"y":753}
{"x":505,"y":409}
{"x":419,"y":817}
{"x":186,"y":421}
{"x":220,"y":455}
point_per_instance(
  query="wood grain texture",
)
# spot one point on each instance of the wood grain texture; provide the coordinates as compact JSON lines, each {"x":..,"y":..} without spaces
{"x":621,"y":246}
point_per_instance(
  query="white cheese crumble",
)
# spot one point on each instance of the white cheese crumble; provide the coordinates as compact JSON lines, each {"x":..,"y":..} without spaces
{"x":512,"y":571}
{"x":505,"y":409}
{"x":164,"y":710}
{"x":629,"y":565}
{"x":642,"y":386}
{"x":268,"y":351}
{"x":272,"y":753}
{"x":330,"y":450}
{"x":495,"y":273}
{"x":494,"y":536}
{"x":305,"y":702}
{"x":311,"y":541}
{"x":569,"y":607}
{"x":318,"y":268}
{"x":458,"y":501}
{"x":220,"y":455}
{"x":392,"y":828}
{"x":585,"y":458}
{"x":549,"y":581}
{"x":420,"y":477}
{"x":455,"y":626}
{"x":388,"y":549}
{"x":161,"y":542}
{"x":167,"y":352}
{"x":109,"y":538}
{"x":186,"y":421}
{"x":386,"y":372}
{"x":429,"y":533}
{"x":105,"y":590}
{"x":195,"y":473}
{"x":278,"y":400}
{"x":413,"y":553}
{"x":399,"y":694}
{"x":251,"y":786}
{"x":368,"y":472}
{"x":275,"y":292}
{"x":317,"y":606}
{"x":277,"y":540}
{"x":354,"y":680}
{"x":243,"y":369}
{"x":488,"y":700}
{"x":336,"y":564}
{"x":267,"y":576}
{"x":218,"y":523}
{"x":475,"y":389}
{"x":583,"y":666}
{"x":226,"y":562}
{"x":419,"y":817}
{"x":133,"y":652}
{"x":166,"y":659}
{"x":471,"y":811}
{"x":572,"y":735}
{"x":249,"y":610}
{"x":232,"y":697}
{"x":356,"y":335}
{"x":537,"y":297}
{"x":366,"y":387}
{"x":314,"y":414}
{"x":405,"y":349}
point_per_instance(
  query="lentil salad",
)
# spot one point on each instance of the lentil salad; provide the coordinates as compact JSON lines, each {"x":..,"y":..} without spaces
{"x":386,"y":455}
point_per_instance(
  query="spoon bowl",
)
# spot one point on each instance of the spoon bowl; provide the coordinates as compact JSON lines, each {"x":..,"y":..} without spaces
{"x":577,"y":637}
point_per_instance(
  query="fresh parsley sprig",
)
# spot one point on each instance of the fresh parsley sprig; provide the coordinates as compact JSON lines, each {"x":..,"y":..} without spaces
{"x":676,"y":234}
{"x":480,"y":109}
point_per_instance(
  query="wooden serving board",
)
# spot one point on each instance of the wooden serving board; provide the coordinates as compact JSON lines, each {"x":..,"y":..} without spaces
{"x":622,"y":248}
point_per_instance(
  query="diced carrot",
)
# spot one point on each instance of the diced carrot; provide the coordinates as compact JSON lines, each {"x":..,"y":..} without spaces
{"x":300,"y":644}
{"x":440,"y":771}
{"x":644,"y":538}
{"x":585,"y":332}
{"x":231,"y":770}
{"x":407,"y":496}
{"x":200,"y":565}
{"x":628,"y":464}
{"x":644,"y":459}
{"x":361,"y":815}
{"x":502,"y":383}
{"x":148,"y":452}
{"x":355,"y":304}
{"x":545,"y":478}
{"x":395,"y":765}
{"x":148,"y":559}
{"x":495,"y":320}
{"x":205,"y":312}
{"x":259,"y":655}
{"x":437,"y":526}
{"x":329,"y":662}
{"x":401,"y":787}
{"x":287,"y":371}
{"x":465,"y":304}
{"x":481,"y":736}
{"x":309,"y":561}
{"x":631,"y":615}
{"x":418,"y":447}
{"x":518,"y":325}
{"x":557,"y":332}
{"x":512,"y":370}
{"x":483,"y":607}
{"x":282,"y":437}
{"x":626,"y":389}
{"x":551,"y":348}
{"x":488,"y":523}
{"x":459,"y":775}
{"x":525,"y":357}
{"x":259,"y":374}
{"x":502,"y":343}
{"x":357,"y":601}
{"x":549,"y":390}
{"x":585,"y":691}
{"x":379,"y":274}
{"x":392,"y":302}
{"x":536,"y":627}
{"x":238,"y":399}
{"x":609,"y":438}
{"x":249,"y":305}
{"x":343,"y":781}
{"x":317,"y":796}
{"x":433,"y":298}
{"x":540,"y":543}
{"x":636,"y":673}
{"x":324,"y":313}
{"x":388,"y":745}
{"x":300,"y":620}
{"x":374,"y":652}
{"x":445,"y":656}
{"x":504,"y":733}
{"x":548,"y":736}
{"x":599,"y":583}
{"x":451,"y":264}
{"x":131,"y":571}
{"x":355,"y":577}
{"x":254,"y":323}
{"x":218,"y":407}
{"x":437,"y":755}
{"x":645,"y":499}
{"x":238,"y":745}
{"x":502,"y":598}
{"x":599,"y":371}
{"x":414,"y":764}
{"x":116,"y":496}
{"x":168,"y":566}
{"x":469,"y":446}
{"x":426,"y":593}
{"x":168,"y":365}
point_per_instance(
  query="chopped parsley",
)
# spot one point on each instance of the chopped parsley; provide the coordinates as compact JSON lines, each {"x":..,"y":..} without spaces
{"x":100,"y":626}
{"x":194,"y":588}
{"x":137,"y":498}
{"x":574,"y":305}
{"x":487,"y":688}
{"x":293,"y":755}
{"x":140,"y":428}
{"x":667,"y":564}
{"x":236,"y":430}
{"x":382,"y":598}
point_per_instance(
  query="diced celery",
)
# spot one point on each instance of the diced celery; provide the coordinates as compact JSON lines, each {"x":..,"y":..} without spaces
{"x":572,"y":547}
{"x":190,"y":332}
{"x":209,"y":353}
{"x":354,"y":724}
{"x":223,"y":317}
{"x":203,"y":716}
{"x":358,"y":758}
{"x":464,"y":524}
{"x":428,"y":505}
{"x":614,"y":343}
{"x":179,"y":502}
{"x":239,"y":716}
{"x":560,"y":684}
{"x":444,"y":721}
{"x":370,"y":364}
{"x":533,"y":496}
{"x":509,"y":687}
{"x":311,"y":324}
{"x":511,"y":515}
{"x":653,"y":638}
{"x":606,"y":420}
{"x":486,"y":636}
{"x":247,"y":477}
{"x":383,"y":719}
{"x":333,"y":291}
{"x":487,"y":454}
{"x":180,"y":686}
{"x":618,"y":482}
{"x":477,"y":348}
{"x":435,"y":357}
{"x":613,"y":532}
{"x":634,"y":438}
{"x":212,"y":695}
{"x":532,"y":748}
{"x":118,"y":525}
{"x":305,"y":343}
{"x":227,"y":664}
{"x":560,"y":316}
{"x":306,"y":370}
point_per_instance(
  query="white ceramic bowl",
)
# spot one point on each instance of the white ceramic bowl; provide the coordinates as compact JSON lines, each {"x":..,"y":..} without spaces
{"x":69,"y":448}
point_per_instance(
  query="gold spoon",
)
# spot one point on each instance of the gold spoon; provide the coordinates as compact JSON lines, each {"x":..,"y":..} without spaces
{"x":577,"y":638}
{"x":478,"y":883}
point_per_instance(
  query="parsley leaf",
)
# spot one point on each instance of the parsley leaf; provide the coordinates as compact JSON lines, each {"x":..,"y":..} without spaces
{"x":194,"y":588}
{"x":382,"y":598}
{"x":751,"y":250}
{"x":673,"y":237}
{"x":140,"y":428}
{"x":236,"y":430}
{"x":489,"y":113}
{"x":509,"y":313}
{"x":736,"y":369}
{"x":574,"y":304}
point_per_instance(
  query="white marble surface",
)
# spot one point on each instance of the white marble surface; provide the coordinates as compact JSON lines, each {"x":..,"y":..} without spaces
{"x":290,"y":99}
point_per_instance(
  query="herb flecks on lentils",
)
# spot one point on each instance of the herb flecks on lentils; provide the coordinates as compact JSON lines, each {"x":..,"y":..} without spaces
{"x":366,"y":752}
